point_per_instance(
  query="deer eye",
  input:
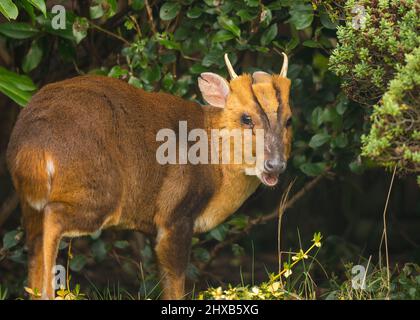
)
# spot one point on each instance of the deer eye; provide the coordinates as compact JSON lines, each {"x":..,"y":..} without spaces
{"x":246,"y":119}
{"x":289,"y":122}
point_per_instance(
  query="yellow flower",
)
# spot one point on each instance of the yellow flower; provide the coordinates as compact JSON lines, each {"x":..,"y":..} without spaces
{"x":287,"y":273}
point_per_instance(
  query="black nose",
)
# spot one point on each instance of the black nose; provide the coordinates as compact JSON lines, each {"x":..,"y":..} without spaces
{"x":274,"y":166}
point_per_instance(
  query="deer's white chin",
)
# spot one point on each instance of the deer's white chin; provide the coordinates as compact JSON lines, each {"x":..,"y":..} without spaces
{"x":269,"y":180}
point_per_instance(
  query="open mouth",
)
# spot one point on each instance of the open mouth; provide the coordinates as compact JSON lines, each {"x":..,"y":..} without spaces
{"x":269,"y":179}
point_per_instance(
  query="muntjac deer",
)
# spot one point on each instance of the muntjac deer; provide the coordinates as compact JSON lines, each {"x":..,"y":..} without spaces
{"x":82,"y":157}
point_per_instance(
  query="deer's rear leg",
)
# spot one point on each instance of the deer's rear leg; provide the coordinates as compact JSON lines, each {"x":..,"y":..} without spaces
{"x":33,"y":224}
{"x":53,"y":231}
{"x":173,"y":250}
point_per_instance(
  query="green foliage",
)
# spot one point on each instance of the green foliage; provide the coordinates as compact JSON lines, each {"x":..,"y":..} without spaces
{"x":3,"y":293}
{"x":404,"y":284}
{"x":394,"y":136}
{"x":380,"y":61}
{"x":369,"y":52}
{"x":10,"y":9}
{"x":18,"y":87}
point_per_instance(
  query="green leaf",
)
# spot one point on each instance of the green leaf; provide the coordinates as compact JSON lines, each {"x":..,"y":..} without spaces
{"x":46,"y":23}
{"x":313,"y":169}
{"x":96,"y":12}
{"x":239,"y":221}
{"x":63,"y":244}
{"x":11,"y":238}
{"x":219,"y":233}
{"x":342,"y":105}
{"x":33,"y":57}
{"x":19,"y":96}
{"x":170,"y":44}
{"x":237,"y":250}
{"x":117,"y":72}
{"x":169,"y":10}
{"x":265,"y":17}
{"x":18,"y":30}
{"x":356,"y":167}
{"x":302,"y":15}
{"x":77,"y":263}
{"x":168,"y":82}
{"x":223,"y":36}
{"x":9,"y":9}
{"x":134,"y":81}
{"x":311,"y":44}
{"x":29,"y":8}
{"x":80,"y":27}
{"x":17,"y":87}
{"x":269,"y":35}
{"x":194,"y":12}
{"x":201,"y":254}
{"x":318,"y":140}
{"x":40,"y":5}
{"x":137,"y":4}
{"x":112,"y":8}
{"x":326,"y":21}
{"x":252,"y":3}
{"x":197,"y":68}
{"x":151,"y":75}
{"x":99,"y":250}
{"x":17,"y":256}
{"x":229,"y":24}
{"x":340,"y":141}
{"x":213,"y":57}
{"x":168,"y":57}
{"x":22,"y":82}
{"x":247,"y":14}
{"x":121,"y":244}
{"x":278,"y":4}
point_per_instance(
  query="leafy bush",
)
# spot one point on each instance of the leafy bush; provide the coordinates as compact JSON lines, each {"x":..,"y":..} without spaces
{"x":394,"y":137}
{"x":378,"y":60}
{"x":373,"y":44}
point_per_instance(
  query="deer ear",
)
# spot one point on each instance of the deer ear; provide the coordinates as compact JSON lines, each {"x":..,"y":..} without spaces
{"x":261,"y":77}
{"x":214,"y":89}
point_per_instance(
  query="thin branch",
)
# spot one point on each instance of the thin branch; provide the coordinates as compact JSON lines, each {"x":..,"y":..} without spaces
{"x":114,"y":35}
{"x":150,"y":16}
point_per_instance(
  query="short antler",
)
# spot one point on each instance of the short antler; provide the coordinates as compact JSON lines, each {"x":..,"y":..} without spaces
{"x":283,"y":71}
{"x":232,"y":73}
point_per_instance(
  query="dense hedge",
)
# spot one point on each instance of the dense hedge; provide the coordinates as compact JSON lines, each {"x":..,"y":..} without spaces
{"x":394,"y":137}
{"x":378,"y":60}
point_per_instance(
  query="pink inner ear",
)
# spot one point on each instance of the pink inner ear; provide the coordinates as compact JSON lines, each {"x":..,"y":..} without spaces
{"x":214,"y":89}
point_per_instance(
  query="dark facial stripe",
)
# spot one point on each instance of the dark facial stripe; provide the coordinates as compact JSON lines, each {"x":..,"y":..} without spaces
{"x":280,"y":107}
{"x":261,"y":111}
